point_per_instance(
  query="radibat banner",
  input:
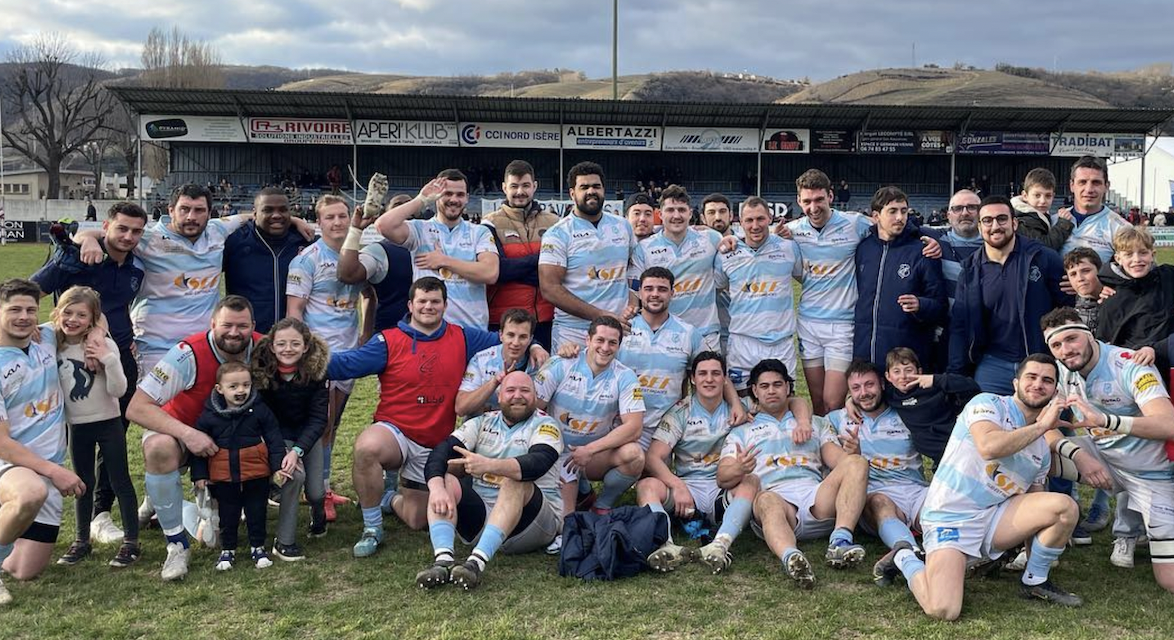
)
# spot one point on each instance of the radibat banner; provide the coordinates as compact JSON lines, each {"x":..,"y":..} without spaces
{"x":509,"y":136}
{"x":405,"y":133}
{"x":192,"y":128}
{"x":1003,"y":143}
{"x":713,"y":140}
{"x":299,"y":131}
{"x":786,"y":141}
{"x":617,"y":137}
{"x":1101,"y":145}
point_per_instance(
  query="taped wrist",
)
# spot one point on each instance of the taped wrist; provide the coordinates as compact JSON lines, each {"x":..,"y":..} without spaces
{"x":353,"y":237}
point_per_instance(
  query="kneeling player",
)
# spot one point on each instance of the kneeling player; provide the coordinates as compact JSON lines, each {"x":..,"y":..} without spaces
{"x":507,"y":498}
{"x":988,"y":496}
{"x":896,"y":482}
{"x":797,"y":502}
{"x":692,"y":433}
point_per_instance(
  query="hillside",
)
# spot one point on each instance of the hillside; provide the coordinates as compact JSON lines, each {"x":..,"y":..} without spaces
{"x":946,"y":87}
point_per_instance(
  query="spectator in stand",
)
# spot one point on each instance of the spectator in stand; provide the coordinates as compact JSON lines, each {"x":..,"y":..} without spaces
{"x":843,"y":196}
{"x":91,"y":210}
{"x":517,"y":228}
{"x":1003,"y":291}
{"x":1032,"y":209}
{"x":334,"y":177}
{"x":1134,"y":216}
{"x":1160,"y":219}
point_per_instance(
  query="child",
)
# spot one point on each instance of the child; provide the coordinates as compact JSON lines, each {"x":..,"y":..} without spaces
{"x":927,"y":404}
{"x":1032,"y":210}
{"x":94,"y":417}
{"x":1139,"y":313}
{"x":1081,"y":266}
{"x":250,"y":450}
{"x":289,"y":371}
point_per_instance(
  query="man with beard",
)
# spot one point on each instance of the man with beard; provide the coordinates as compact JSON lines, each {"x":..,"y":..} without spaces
{"x":715,"y":214}
{"x":1003,"y":291}
{"x":689,"y":255}
{"x":505,"y":493}
{"x":517,"y":229}
{"x":1096,"y":223}
{"x":963,"y":238}
{"x":384,"y":264}
{"x":988,"y":497}
{"x":1128,"y":415}
{"x":583,"y":266}
{"x":896,"y":481}
{"x":167,"y":403}
{"x":460,"y":253}
{"x":640,"y":209}
{"x":257,"y":256}
{"x":182,"y":260}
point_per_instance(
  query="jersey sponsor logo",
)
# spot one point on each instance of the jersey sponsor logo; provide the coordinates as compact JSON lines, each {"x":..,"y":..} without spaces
{"x":195,"y":284}
{"x":884,"y":463}
{"x":607,"y":275}
{"x":1005,"y":483}
{"x":430,"y":399}
{"x":1145,"y":383}
{"x":691,"y":285}
{"x":909,"y":402}
{"x":342,"y":304}
{"x":549,"y":430}
{"x":947,"y":534}
{"x":823,"y":269}
{"x":13,"y":370}
{"x":788,"y":461}
{"x":637,"y":393}
{"x":761,"y":287}
{"x":41,"y":407}
{"x":293,"y":278}
{"x":577,"y":425}
{"x":546,"y":247}
{"x":654,"y":383}
{"x":903,"y":271}
{"x":160,"y":375}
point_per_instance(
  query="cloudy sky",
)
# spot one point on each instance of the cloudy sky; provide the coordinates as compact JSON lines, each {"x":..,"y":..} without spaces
{"x":784,"y":39}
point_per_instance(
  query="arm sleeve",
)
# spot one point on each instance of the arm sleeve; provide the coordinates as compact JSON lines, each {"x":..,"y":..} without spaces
{"x":300,"y":280}
{"x":374,"y":260}
{"x":478,"y":340}
{"x":413,"y":240}
{"x":933,"y":304}
{"x":51,"y":277}
{"x":112,"y":367}
{"x":316,"y":419}
{"x":271,"y":434}
{"x":523,"y":270}
{"x":535,"y":462}
{"x":959,"y":325}
{"x":957,"y":385}
{"x":554,"y":247}
{"x":1162,"y":360}
{"x":483,"y":241}
{"x":1058,"y":234}
{"x":198,"y":464}
{"x":437,"y":464}
{"x":369,"y":359}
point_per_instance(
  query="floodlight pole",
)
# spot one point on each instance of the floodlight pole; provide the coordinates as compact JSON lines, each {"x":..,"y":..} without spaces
{"x":615,"y":39}
{"x":3,"y":211}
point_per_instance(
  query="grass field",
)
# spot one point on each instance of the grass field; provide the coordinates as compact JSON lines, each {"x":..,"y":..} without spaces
{"x":332,"y":595}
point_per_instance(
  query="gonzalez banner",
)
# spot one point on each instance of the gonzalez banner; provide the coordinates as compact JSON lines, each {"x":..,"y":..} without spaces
{"x":833,"y":141}
{"x":786,"y":141}
{"x":192,"y":128}
{"x":710,"y":140}
{"x":509,"y":136}
{"x":611,"y":137}
{"x":405,"y":133}
{"x":1003,"y":143}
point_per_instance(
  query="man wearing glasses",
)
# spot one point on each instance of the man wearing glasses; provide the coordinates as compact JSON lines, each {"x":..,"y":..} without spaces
{"x":959,"y":242}
{"x":1003,"y":291}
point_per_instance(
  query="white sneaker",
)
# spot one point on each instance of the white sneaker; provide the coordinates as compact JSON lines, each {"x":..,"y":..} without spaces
{"x":146,"y":511}
{"x":556,"y":546}
{"x":175,"y":567}
{"x":5,"y":597}
{"x":103,"y":530}
{"x":1019,"y":563}
{"x":1122,"y":555}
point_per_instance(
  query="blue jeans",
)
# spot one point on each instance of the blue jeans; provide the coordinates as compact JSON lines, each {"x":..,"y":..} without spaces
{"x":994,"y":375}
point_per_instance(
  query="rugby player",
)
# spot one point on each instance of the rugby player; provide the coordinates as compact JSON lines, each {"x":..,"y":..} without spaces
{"x":487,"y":370}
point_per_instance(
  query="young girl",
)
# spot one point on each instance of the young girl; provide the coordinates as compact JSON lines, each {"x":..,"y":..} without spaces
{"x":92,"y":411}
{"x":289,"y":371}
{"x":249,"y":452}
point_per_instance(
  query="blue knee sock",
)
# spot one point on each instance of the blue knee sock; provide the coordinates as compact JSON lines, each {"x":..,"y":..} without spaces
{"x":490,"y":542}
{"x":736,"y":517}
{"x":1040,"y":562}
{"x":892,"y":530}
{"x":840,"y":534}
{"x":584,"y":485}
{"x":657,"y":507}
{"x":373,"y":517}
{"x":909,"y":564}
{"x":615,"y":483}
{"x":167,"y":498}
{"x":443,"y":535}
{"x":787,"y":553}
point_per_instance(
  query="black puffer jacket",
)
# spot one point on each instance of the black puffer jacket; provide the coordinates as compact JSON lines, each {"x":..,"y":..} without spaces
{"x":1033,"y":225}
{"x":233,"y":430}
{"x":301,"y":409}
{"x":1141,"y":312}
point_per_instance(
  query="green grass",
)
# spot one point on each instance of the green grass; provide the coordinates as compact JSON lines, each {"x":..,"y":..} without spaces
{"x":331,"y":595}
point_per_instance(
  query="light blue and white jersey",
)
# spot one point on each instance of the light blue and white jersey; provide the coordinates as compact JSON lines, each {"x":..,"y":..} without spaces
{"x":1120,"y":386}
{"x":966,"y":483}
{"x":486,"y":364}
{"x":1096,"y":233}
{"x":829,"y":265}
{"x":779,"y":458}
{"x":887,"y":445}
{"x":596,"y":259}
{"x":489,"y":435}
{"x":759,"y":281}
{"x":587,"y":405}
{"x":467,"y":305}
{"x":695,"y":437}
{"x":691,"y":263}
{"x":660,"y":358}
{"x":175,"y":372}
{"x":332,"y":306}
{"x":31,"y":401}
{"x":181,"y":283}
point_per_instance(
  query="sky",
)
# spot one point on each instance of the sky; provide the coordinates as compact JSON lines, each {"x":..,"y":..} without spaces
{"x":783,"y":39}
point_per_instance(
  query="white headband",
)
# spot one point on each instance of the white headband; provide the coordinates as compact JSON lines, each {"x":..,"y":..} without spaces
{"x":1079,"y":326}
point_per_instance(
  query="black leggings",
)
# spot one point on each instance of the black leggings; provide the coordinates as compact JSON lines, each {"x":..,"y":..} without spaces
{"x":109,"y":437}
{"x":104,"y":493}
{"x":253,"y":497}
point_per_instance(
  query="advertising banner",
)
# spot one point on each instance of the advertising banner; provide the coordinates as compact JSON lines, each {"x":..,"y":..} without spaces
{"x":1003,"y":143}
{"x":509,"y":136}
{"x":559,"y":207}
{"x":1129,"y":146}
{"x":833,"y":141}
{"x":725,"y":140}
{"x":192,"y":128}
{"x":405,"y":133}
{"x":786,"y":141}
{"x":299,"y":131}
{"x":904,"y":142}
{"x":616,"y":137}
{"x":935,"y":142}
{"x":1083,"y":144}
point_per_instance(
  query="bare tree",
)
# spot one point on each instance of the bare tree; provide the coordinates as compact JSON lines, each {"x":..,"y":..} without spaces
{"x":56,"y":93}
{"x":173,"y":60}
